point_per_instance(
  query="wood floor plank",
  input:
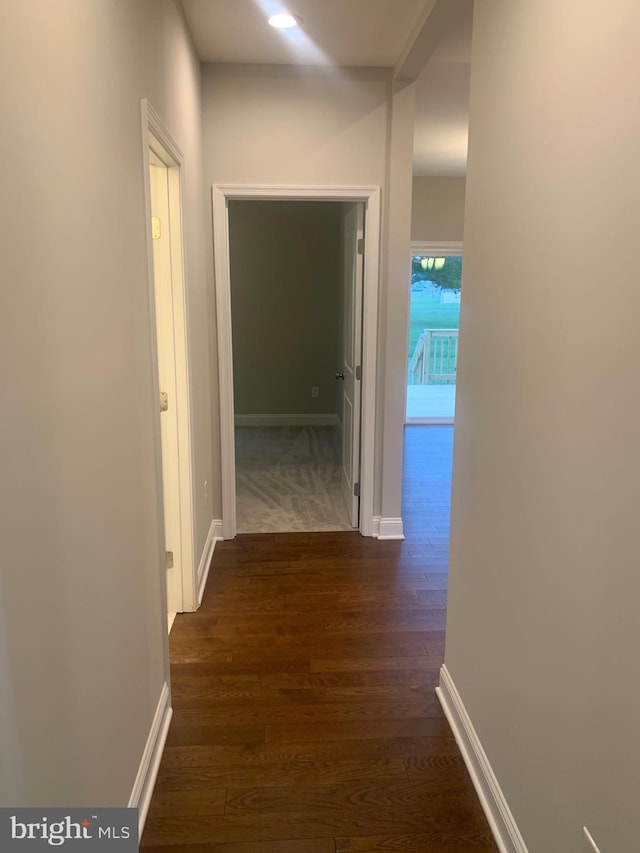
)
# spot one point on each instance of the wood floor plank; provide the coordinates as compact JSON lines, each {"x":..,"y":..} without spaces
{"x":254,"y":602}
{"x":435,"y":649}
{"x":184,"y":733}
{"x":184,"y":763}
{"x":375,"y":664}
{"x":421,"y":632}
{"x":373,"y":646}
{"x":433,"y":596}
{"x":373,"y":727}
{"x":236,"y":666}
{"x":305,"y":715}
{"x":425,"y":765}
{"x":451,"y":813}
{"x":205,"y":800}
{"x":335,"y":622}
{"x":366,"y":586}
{"x":403,"y":795}
{"x":292,"y":773}
{"x":473,"y":841}
{"x":299,"y":845}
{"x":199,"y":678}
{"x":342,"y":717}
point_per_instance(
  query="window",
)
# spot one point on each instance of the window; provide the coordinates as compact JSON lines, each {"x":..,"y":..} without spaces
{"x":434,"y":320}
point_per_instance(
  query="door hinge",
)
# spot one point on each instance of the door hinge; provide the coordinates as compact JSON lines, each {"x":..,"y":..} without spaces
{"x":169,"y":559}
{"x":155,"y":227}
{"x":164,"y":401}
{"x":358,"y":372}
{"x":356,"y":490}
{"x":361,"y":245}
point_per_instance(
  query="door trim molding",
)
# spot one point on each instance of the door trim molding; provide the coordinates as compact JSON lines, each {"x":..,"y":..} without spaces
{"x":153,"y":126}
{"x":221,"y":194}
{"x":444,"y":249}
{"x":388,"y":528}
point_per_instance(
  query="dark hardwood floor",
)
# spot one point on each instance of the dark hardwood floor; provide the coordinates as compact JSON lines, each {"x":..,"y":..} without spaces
{"x":305,"y":714}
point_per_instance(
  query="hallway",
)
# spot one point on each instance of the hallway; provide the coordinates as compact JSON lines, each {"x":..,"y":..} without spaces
{"x":305,"y":714}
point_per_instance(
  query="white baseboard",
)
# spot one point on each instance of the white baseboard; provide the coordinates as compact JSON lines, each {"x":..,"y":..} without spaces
{"x":494,"y":804}
{"x":150,"y":762}
{"x":214,"y":534}
{"x":287,"y":420}
{"x":387,"y":528}
{"x":592,"y":847}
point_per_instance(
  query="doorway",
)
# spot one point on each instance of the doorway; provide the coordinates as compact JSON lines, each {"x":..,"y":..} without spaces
{"x":163,"y":163}
{"x":296,"y":296}
{"x":434,"y":321}
{"x":364,"y":372}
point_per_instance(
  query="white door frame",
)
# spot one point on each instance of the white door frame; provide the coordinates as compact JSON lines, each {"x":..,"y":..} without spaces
{"x":370,"y":197}
{"x":443,"y":250}
{"x":352,"y":231}
{"x":153,"y":132}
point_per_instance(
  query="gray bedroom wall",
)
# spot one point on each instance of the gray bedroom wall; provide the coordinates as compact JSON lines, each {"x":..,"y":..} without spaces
{"x":285,"y":267}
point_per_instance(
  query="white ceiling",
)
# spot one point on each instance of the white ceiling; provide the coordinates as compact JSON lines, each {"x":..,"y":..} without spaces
{"x":356,"y":33}
{"x":332,"y":32}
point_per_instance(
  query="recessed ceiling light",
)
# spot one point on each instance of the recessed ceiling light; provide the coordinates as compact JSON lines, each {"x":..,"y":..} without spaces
{"x":283,"y":21}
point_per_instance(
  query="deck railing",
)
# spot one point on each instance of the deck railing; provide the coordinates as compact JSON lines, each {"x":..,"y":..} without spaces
{"x":435,"y":358}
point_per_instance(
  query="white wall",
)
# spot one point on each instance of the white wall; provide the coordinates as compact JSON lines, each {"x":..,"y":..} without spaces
{"x":81,"y":566}
{"x":297,"y":126}
{"x":437,"y":209}
{"x":396,"y":271}
{"x":275,"y":124}
{"x":542,"y":625}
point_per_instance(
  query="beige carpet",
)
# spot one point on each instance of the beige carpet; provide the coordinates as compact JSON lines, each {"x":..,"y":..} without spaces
{"x":288,"y":480}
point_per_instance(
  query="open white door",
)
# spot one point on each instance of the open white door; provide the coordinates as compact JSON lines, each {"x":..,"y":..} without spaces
{"x":167,"y":392}
{"x":350,"y":370}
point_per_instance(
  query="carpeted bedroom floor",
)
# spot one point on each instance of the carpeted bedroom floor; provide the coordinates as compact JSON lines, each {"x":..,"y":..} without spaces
{"x":288,"y":480}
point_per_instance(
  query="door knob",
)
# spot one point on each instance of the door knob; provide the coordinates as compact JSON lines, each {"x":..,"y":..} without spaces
{"x":339,"y":375}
